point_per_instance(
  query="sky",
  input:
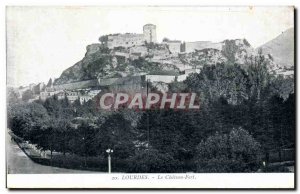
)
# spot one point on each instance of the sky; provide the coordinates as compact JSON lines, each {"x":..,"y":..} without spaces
{"x":44,"y":41}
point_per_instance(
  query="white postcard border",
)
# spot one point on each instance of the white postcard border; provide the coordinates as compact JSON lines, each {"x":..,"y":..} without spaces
{"x":135,"y":181}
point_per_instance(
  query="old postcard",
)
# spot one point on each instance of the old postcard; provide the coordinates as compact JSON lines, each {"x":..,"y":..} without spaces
{"x":150,"y":97}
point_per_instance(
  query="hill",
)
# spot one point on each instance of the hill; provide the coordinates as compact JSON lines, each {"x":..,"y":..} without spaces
{"x":101,"y":62}
{"x":281,"y":48}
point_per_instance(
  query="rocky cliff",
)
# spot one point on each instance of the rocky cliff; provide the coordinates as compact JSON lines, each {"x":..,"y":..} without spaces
{"x":230,"y":51}
{"x":99,"y":61}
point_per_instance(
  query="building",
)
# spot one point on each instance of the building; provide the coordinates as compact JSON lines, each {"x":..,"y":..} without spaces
{"x":189,"y":71}
{"x":199,"y":45}
{"x":139,"y":50}
{"x":34,"y":99}
{"x":31,"y":86}
{"x":150,"y":33}
{"x":51,"y":92}
{"x":72,"y":95}
{"x":285,"y":73}
{"x":125,"y":40}
{"x":90,"y":95}
{"x":93,"y":93}
{"x":131,"y":39}
{"x":44,"y":95}
{"x":84,"y":98}
{"x":173,"y":45}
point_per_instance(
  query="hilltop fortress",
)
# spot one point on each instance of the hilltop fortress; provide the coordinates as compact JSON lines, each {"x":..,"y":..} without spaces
{"x":149,"y":36}
{"x":132,"y":39}
{"x":128,"y":62}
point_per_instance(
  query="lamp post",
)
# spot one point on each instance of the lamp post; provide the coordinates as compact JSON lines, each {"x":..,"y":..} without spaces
{"x":109,"y":151}
{"x":84,"y":150}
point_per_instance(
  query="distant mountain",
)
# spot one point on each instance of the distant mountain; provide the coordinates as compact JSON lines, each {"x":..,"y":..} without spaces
{"x":281,"y":48}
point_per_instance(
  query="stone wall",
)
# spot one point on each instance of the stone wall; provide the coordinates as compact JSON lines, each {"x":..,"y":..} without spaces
{"x":160,"y":78}
{"x":77,"y":85}
{"x":107,"y":81}
{"x":199,"y":45}
{"x":132,"y":39}
{"x":92,"y":48}
{"x":174,"y":46}
{"x":139,"y":49}
{"x":181,"y":78}
{"x":129,"y":85}
{"x":125,"y":40}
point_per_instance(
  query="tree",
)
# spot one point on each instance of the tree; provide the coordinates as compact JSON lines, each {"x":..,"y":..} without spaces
{"x":282,"y":87}
{"x":220,"y":80}
{"x":171,"y":132}
{"x":116,"y":133}
{"x":103,"y":39}
{"x":24,"y":118}
{"x":53,"y":106}
{"x":77,"y":108}
{"x":85,"y":140}
{"x":259,"y":76}
{"x":234,"y":152}
{"x":152,"y":161}
{"x":229,"y":50}
{"x":27,"y":95}
{"x":12,"y":96}
{"x":166,"y":39}
{"x":63,"y":131}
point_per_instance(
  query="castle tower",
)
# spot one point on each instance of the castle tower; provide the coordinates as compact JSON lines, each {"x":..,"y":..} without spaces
{"x":149,"y":33}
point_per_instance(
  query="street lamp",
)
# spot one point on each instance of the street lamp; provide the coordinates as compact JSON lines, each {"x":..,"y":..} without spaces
{"x":109,"y":151}
{"x":84,"y":151}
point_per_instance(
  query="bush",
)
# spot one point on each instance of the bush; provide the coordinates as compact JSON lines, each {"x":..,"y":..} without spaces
{"x":81,"y":163}
{"x":152,"y":161}
{"x":233,"y":152}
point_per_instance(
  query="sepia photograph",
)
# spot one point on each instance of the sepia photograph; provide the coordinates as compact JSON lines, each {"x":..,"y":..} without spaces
{"x":180,"y":96}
